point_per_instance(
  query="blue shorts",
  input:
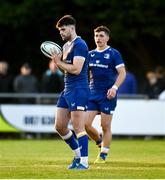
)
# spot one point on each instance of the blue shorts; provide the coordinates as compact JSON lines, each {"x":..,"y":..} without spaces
{"x":99,"y":102}
{"x":74,"y":100}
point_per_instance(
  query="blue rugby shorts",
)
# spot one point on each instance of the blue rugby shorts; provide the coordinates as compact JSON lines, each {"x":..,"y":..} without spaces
{"x":99,"y":102}
{"x":74,"y":99}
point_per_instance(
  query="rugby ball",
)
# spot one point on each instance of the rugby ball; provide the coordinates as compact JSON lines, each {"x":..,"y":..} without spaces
{"x":48,"y":46}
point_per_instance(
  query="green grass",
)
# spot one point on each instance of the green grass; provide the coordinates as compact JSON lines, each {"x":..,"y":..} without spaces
{"x":50,"y":158}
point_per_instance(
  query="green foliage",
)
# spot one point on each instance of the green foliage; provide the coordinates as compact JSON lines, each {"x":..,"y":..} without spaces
{"x":27,"y":12}
{"x":134,"y":24}
{"x":129,"y":16}
{"x":137,"y":16}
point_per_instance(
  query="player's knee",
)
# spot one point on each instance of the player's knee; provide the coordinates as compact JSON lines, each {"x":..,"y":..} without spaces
{"x":58,"y":128}
{"x":78,"y":130}
{"x":106,"y":129}
{"x":88,"y":127}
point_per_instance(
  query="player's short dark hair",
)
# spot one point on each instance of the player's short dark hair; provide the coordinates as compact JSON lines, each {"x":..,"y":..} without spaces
{"x":66,"y":20}
{"x":26,"y":65}
{"x":102,"y":28}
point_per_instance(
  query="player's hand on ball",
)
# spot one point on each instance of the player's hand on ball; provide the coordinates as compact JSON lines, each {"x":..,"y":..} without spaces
{"x":56,"y":58}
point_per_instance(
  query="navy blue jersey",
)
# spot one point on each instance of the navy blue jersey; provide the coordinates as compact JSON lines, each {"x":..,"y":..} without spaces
{"x":77,"y":48}
{"x":103,"y":66}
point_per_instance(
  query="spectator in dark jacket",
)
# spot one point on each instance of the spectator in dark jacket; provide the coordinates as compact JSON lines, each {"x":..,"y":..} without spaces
{"x":155,"y":83}
{"x":52,"y":79}
{"x":160,"y":75}
{"x":26,"y":82}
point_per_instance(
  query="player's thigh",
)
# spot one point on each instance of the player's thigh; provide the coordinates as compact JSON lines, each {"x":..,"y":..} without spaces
{"x":78,"y":119}
{"x":90,"y":117}
{"x":106,"y":120}
{"x":62,"y":118}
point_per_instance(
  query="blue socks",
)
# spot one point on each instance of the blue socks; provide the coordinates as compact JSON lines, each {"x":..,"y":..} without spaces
{"x":70,"y":140}
{"x":83,"y":144}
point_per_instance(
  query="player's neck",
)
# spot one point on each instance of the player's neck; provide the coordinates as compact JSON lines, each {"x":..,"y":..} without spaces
{"x":101,"y":48}
{"x":73,"y":37}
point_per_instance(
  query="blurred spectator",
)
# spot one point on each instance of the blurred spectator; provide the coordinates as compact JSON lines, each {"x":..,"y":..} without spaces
{"x":26,"y":82}
{"x":6,"y":84}
{"x":160,"y":75}
{"x":52,"y":79}
{"x":129,"y":86}
{"x":154,"y":85}
{"x":6,"y":81}
{"x":160,"y":72}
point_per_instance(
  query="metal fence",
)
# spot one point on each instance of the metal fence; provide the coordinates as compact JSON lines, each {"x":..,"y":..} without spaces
{"x":47,"y":98}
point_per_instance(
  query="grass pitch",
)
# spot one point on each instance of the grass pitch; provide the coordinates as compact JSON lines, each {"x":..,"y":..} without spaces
{"x":42,"y":159}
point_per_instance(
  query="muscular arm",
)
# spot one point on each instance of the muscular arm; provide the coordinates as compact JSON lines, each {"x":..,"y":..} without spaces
{"x":121,"y":76}
{"x":74,"y":68}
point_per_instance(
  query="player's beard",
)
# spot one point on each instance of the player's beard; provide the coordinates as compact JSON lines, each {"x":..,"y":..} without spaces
{"x":68,"y":37}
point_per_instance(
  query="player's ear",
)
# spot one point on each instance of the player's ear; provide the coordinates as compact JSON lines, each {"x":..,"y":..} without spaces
{"x":108,"y":38}
{"x":73,"y":28}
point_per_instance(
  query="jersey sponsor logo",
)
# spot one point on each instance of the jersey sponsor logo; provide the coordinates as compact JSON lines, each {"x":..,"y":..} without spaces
{"x":98,"y":65}
{"x":107,"y":56}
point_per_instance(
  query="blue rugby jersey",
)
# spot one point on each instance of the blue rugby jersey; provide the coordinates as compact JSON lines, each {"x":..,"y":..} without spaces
{"x":103,"y":65}
{"x":78,"y":48}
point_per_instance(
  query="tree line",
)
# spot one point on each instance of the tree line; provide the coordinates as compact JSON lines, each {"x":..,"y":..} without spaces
{"x":137,"y":29}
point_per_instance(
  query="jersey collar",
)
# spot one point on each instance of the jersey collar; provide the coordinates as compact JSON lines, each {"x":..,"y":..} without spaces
{"x":103,"y":49}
